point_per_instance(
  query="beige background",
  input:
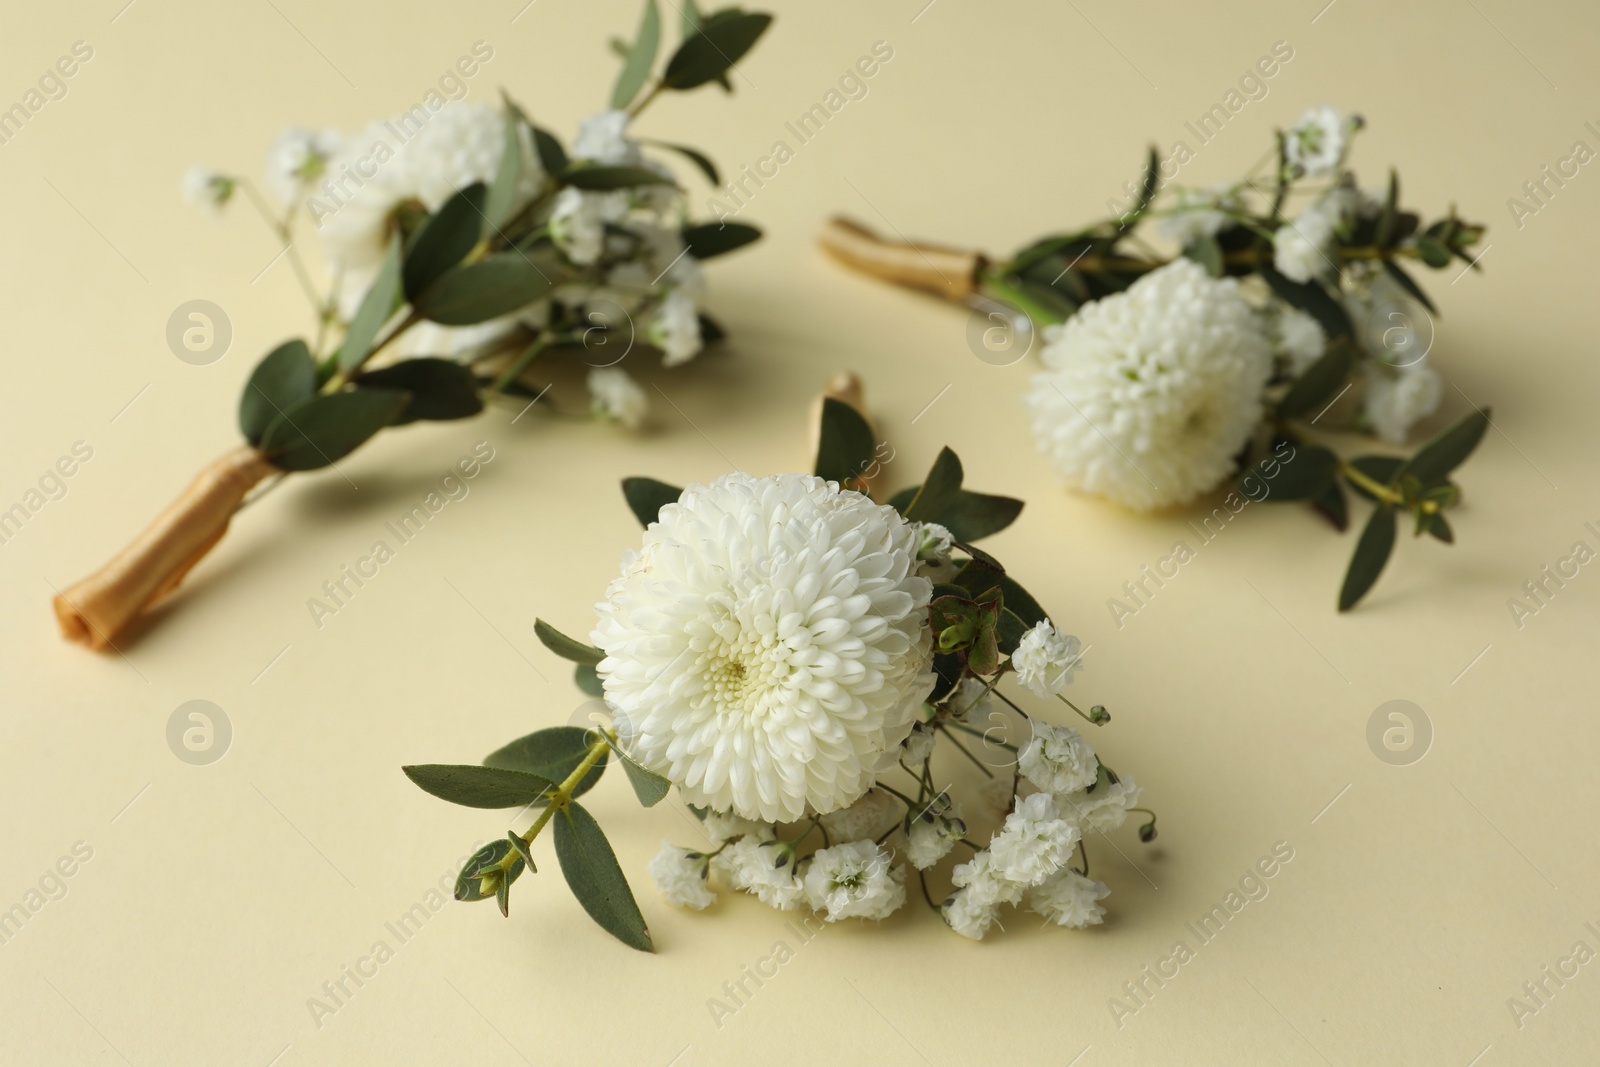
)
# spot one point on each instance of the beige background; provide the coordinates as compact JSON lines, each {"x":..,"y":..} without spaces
{"x":220,"y":898}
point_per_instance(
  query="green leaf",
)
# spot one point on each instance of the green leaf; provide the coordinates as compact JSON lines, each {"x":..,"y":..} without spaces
{"x":1433,"y":252}
{"x":479,"y":787}
{"x":646,"y":497}
{"x":382,"y":298}
{"x":469,"y":885}
{"x":650,"y":787}
{"x":1372,"y":552}
{"x":1406,"y":282}
{"x":599,"y":177}
{"x":564,"y":646}
{"x":1319,"y":383}
{"x":444,"y":240}
{"x":715,"y":239}
{"x":325,"y":429}
{"x":493,"y":286}
{"x":552,"y":754}
{"x":588,"y":680}
{"x":978,"y":579}
{"x":1310,"y":297}
{"x":1304,"y":476}
{"x":591,"y":869}
{"x":1009,"y":633}
{"x":720,"y":43}
{"x":1205,"y":251}
{"x":1439,"y":527}
{"x":286,"y":377}
{"x":507,"y":176}
{"x":551,"y":155}
{"x":1435,"y":460}
{"x":691,"y":20}
{"x":972,"y":516}
{"x":1333,"y":506}
{"x":440,"y":389}
{"x":846,"y":443}
{"x":938,"y":489}
{"x":695,"y":156}
{"x":641,"y":57}
{"x":1381,"y":469}
{"x":1386,"y":217}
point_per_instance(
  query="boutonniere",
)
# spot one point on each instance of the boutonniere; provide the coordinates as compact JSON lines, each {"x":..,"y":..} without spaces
{"x":1290,"y":315}
{"x":468,"y":251}
{"x":849,"y":695}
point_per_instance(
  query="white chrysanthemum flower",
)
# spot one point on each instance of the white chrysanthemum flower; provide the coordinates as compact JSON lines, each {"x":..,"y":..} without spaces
{"x":297,"y":159}
{"x":1070,"y":899}
{"x":1200,"y":213}
{"x":762,"y":870}
{"x":918,"y":746}
{"x":578,"y":220}
{"x":613,"y":394}
{"x":203,"y":187}
{"x":675,"y":328}
{"x":769,"y":647}
{"x":1046,"y":659}
{"x":1034,"y":843}
{"x":1316,"y":144}
{"x":1300,"y":248}
{"x":964,"y":914}
{"x":1058,"y":759}
{"x":722,"y":826}
{"x":931,"y":840}
{"x":868,"y":817}
{"x":970,"y":699}
{"x":681,"y":877}
{"x":1103,"y":810}
{"x":1149,"y":394}
{"x":460,"y":145}
{"x":1299,"y":337}
{"x":984,"y":884}
{"x":854,"y":881}
{"x":1398,"y":397}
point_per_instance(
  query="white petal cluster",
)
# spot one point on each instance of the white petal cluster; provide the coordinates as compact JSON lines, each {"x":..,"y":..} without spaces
{"x":1201,"y":213}
{"x":207,"y":188}
{"x":868,"y":817}
{"x":763,"y":870}
{"x":768,"y":647}
{"x":615,"y":395}
{"x":681,"y":876}
{"x":1397,"y":398}
{"x":297,"y":159}
{"x":1101,"y":809}
{"x":854,"y":881}
{"x":971,"y":699}
{"x":1300,"y":248}
{"x":1057,"y":759}
{"x":723,"y":826}
{"x":1316,"y":144}
{"x":1067,"y":898}
{"x":1299,"y":338}
{"x":931,"y":839}
{"x":1149,"y":394}
{"x":1046,"y":659}
{"x":1034,"y":843}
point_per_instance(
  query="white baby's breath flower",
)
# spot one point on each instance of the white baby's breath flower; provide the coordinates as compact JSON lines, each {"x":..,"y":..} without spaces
{"x":1100,"y":811}
{"x":984,"y":883}
{"x":768,"y":648}
{"x":1398,"y":397}
{"x":1299,"y":337}
{"x":931,"y":839}
{"x":602,"y":139}
{"x":1046,"y":659}
{"x":869,"y":816}
{"x":854,"y":881}
{"x":996,"y":793}
{"x":918,"y":746}
{"x":1200,"y":213}
{"x":1316,"y":144}
{"x":578,"y":220}
{"x":1149,"y":394}
{"x":1067,"y":898}
{"x":297,"y":159}
{"x":1300,"y":248}
{"x":1058,"y":759}
{"x":1034,"y":843}
{"x":967,"y":916}
{"x":203,"y":187}
{"x":971,"y":699}
{"x":615,"y":395}
{"x":675,"y":328}
{"x":763,"y":870}
{"x":681,"y":877}
{"x":723,"y":826}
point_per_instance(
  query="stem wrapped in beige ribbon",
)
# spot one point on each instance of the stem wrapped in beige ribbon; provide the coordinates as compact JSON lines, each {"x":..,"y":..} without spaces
{"x":96,"y":610}
{"x":952,"y":273}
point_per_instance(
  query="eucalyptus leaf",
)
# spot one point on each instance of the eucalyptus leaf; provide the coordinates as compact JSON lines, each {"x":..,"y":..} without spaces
{"x":596,"y":879}
{"x":716,"y":239}
{"x":285,"y":378}
{"x":588,"y":680}
{"x":493,"y":286}
{"x":846,"y":444}
{"x":720,"y":42}
{"x":599,"y":177}
{"x":1386,"y":216}
{"x":324,"y":429}
{"x":382,"y":298}
{"x":469,"y":882}
{"x":441,"y":389}
{"x":564,"y":646}
{"x":502,"y":194}
{"x":1304,"y":476}
{"x":1372,"y":552}
{"x":479,"y":787}
{"x":938,"y":489}
{"x":1320,"y":382}
{"x":1205,"y":251}
{"x":1312,"y":298}
{"x":1409,"y":284}
{"x":1435,"y":460}
{"x":1439,"y":527}
{"x":444,"y":240}
{"x":552,"y":754}
{"x":1433,"y":252}
{"x":1333,"y":506}
{"x":650,"y":787}
{"x":551,"y":155}
{"x":646,"y":497}
{"x":641,"y":57}
{"x":695,"y":156}
{"x":1010,"y":630}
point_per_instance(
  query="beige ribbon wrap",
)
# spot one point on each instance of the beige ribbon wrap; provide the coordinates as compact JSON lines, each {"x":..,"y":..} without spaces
{"x":96,"y":610}
{"x":948,"y":272}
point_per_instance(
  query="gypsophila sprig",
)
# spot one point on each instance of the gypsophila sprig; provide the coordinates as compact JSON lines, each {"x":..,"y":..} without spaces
{"x":470,"y":255}
{"x":1289,"y":313}
{"x":820,"y":677}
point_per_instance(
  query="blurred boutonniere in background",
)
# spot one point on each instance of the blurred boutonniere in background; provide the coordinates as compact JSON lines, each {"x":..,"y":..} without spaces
{"x":468,"y":250}
{"x":1289,"y":315}
{"x":824,"y":680}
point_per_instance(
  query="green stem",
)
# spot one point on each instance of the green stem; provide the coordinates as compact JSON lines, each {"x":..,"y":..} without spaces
{"x":963,"y":749}
{"x":985,"y":737}
{"x":522,"y":363}
{"x":563,"y":792}
{"x":1377,"y":489}
{"x":995,"y":283}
